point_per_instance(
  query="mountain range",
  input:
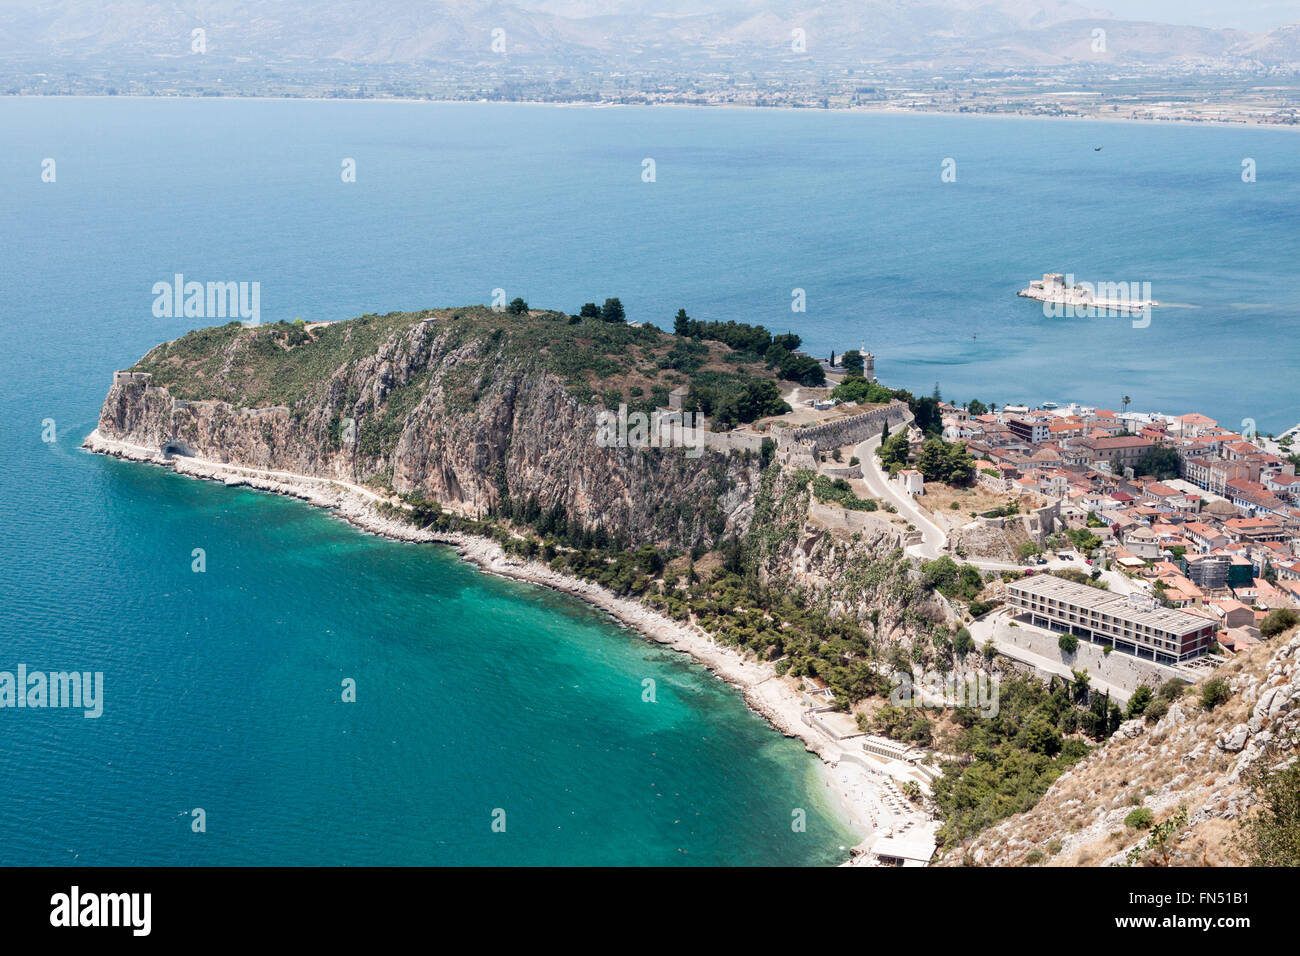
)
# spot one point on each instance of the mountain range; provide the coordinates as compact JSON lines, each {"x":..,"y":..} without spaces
{"x":709,"y":35}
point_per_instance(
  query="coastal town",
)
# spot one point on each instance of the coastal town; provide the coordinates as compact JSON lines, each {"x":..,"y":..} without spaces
{"x":1196,"y":516}
{"x":1090,"y":558}
{"x":1205,"y":517}
{"x":1157,"y":546}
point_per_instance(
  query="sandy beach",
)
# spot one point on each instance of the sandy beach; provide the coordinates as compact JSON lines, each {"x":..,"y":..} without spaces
{"x":853,"y":790}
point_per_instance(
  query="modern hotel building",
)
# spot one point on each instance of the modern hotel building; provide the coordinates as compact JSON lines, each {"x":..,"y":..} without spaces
{"x":1134,"y":625}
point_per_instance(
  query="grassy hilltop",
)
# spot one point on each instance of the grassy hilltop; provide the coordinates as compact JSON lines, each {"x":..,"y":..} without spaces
{"x":610,"y":361}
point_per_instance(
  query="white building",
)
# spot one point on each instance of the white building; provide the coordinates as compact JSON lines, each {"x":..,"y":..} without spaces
{"x":911,"y":481}
{"x":1133,"y":624}
{"x":913,"y":847}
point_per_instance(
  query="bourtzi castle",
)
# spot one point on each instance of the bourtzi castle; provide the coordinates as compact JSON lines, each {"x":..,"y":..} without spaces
{"x":1061,"y":290}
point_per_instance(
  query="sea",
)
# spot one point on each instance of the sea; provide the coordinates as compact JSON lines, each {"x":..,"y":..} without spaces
{"x":493,"y":722}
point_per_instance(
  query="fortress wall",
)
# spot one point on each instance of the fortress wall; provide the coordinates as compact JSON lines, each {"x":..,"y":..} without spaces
{"x":673,"y":435}
{"x":851,"y":429}
{"x":788,"y":441}
{"x":1043,"y":521}
{"x":1038,"y":524}
{"x":797,"y":457}
{"x":841,"y":519}
{"x":734,"y":441}
{"x":843,"y":471}
{"x":998,"y":486}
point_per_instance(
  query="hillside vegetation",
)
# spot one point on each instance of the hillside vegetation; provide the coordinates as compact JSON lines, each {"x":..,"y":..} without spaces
{"x":281,"y":364}
{"x":1211,"y":780}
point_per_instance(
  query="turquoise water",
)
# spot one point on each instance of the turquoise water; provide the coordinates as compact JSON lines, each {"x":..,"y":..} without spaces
{"x":223,"y":691}
{"x":222,"y":688}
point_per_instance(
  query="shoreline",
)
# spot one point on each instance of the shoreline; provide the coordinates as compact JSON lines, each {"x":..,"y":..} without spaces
{"x":883,"y":109}
{"x":774,"y":698}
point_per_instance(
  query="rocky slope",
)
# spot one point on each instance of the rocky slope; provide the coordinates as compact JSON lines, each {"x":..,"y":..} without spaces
{"x":1190,"y":758}
{"x":863,"y":575}
{"x":442,"y":405}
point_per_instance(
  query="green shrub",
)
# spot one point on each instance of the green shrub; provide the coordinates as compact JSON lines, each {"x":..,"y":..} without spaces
{"x":1171,"y":689}
{"x":841,"y":493}
{"x":1137,"y":704}
{"x":1278,"y":620}
{"x":1215,"y":692}
{"x":1156,"y":709}
{"x":1140,"y":819}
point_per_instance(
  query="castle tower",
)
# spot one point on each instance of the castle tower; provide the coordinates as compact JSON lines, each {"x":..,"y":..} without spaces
{"x":868,"y":366}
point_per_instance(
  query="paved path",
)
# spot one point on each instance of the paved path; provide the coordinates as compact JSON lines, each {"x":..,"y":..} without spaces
{"x":933,"y":540}
{"x":221,"y":466}
{"x":290,"y":475}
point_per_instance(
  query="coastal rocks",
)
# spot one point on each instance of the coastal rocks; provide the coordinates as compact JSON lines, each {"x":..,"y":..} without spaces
{"x":135,"y":409}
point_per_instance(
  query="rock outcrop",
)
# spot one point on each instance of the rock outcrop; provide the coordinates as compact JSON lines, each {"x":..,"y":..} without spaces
{"x":862,"y":575}
{"x":455,"y":413}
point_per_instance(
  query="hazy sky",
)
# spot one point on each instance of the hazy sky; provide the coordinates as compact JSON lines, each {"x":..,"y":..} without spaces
{"x":1241,"y":14}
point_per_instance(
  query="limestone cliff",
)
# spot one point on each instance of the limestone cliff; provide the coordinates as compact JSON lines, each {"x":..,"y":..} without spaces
{"x":495,"y":414}
{"x":448,"y":405}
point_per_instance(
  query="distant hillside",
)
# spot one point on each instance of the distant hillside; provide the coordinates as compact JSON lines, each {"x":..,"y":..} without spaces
{"x":727,"y":34}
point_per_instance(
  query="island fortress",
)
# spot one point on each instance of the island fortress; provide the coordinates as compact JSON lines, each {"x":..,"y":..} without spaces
{"x":1084,"y":298}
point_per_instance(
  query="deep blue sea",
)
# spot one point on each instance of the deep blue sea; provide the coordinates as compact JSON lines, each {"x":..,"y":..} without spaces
{"x":475,"y":694}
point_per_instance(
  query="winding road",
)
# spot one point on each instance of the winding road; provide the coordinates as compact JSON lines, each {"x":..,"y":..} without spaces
{"x":933,"y":540}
